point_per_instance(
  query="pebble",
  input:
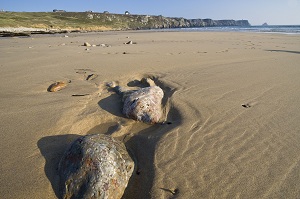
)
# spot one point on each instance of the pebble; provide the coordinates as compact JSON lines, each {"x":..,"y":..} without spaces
{"x":56,"y":86}
{"x":87,"y":44}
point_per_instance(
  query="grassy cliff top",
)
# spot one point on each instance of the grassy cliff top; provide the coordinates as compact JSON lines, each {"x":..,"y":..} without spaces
{"x":101,"y":21}
{"x":64,"y":20}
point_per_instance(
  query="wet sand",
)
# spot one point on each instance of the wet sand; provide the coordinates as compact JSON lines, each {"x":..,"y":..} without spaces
{"x":231,"y":101}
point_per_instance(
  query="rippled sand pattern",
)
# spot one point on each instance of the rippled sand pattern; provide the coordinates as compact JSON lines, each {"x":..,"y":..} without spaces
{"x":232,"y":111}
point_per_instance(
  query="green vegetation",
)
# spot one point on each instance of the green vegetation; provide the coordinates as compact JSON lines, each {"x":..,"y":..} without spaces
{"x":102,"y":21}
{"x":72,"y":20}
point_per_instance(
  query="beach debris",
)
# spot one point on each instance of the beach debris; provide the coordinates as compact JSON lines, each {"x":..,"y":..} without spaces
{"x":91,"y":77}
{"x":79,"y":95}
{"x":57,"y":86}
{"x":246,"y":105}
{"x":95,"y":166}
{"x":87,"y":44}
{"x":83,"y":70}
{"x":130,"y":42}
{"x":104,"y":45}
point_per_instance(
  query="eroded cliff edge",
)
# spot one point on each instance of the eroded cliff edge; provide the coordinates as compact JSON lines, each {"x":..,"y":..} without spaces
{"x":88,"y":21}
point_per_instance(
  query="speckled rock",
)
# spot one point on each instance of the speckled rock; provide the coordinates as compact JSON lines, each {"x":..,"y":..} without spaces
{"x":144,"y":105}
{"x":95,"y":166}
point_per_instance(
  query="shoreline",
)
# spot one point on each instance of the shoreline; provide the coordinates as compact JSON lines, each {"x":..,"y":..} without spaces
{"x":27,"y":32}
{"x":232,"y":106}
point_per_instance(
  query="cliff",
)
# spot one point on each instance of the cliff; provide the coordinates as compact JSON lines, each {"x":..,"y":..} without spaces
{"x":168,"y":22}
{"x":89,"y":21}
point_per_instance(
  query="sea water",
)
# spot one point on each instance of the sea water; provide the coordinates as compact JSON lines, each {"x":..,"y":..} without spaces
{"x":284,"y":29}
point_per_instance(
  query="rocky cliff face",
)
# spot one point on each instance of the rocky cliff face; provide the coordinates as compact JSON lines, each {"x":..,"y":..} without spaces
{"x":88,"y":21}
{"x":143,"y":22}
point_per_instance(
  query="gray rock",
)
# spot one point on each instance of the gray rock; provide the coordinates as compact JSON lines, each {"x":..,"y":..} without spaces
{"x":95,"y":166}
{"x":144,"y":105}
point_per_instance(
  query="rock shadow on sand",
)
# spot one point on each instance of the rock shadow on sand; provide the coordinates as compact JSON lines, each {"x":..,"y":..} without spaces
{"x":112,"y":104}
{"x":53,"y":148}
{"x":142,"y":148}
{"x":140,"y":144}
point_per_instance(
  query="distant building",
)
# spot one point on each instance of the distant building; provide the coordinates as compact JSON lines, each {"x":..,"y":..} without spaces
{"x":127,"y":13}
{"x":89,"y":11}
{"x":55,"y":10}
{"x":106,"y":12}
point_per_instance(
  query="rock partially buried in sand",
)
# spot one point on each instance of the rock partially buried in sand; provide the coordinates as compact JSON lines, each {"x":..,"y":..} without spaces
{"x":130,"y":42}
{"x":87,"y":44}
{"x":56,"y":86}
{"x":95,"y":166}
{"x":144,"y":105}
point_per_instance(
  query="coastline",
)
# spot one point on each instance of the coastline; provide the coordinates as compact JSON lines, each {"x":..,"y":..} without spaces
{"x":270,"y":29}
{"x":214,"y":146}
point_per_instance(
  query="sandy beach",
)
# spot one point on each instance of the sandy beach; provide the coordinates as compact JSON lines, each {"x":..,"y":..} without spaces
{"x":231,"y":100}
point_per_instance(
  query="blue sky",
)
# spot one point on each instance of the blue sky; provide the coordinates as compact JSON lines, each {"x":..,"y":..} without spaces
{"x":274,"y":12}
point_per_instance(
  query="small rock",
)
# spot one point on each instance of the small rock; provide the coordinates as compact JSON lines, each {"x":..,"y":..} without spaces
{"x":144,"y":105}
{"x":111,"y":84}
{"x":66,"y":36}
{"x":91,"y":77}
{"x":56,"y":86}
{"x":246,"y":105}
{"x":104,"y":45}
{"x":129,"y":42}
{"x":95,"y":166}
{"x":87,"y":44}
{"x":93,"y":45}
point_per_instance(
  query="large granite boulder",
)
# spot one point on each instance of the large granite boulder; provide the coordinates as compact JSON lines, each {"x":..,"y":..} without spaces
{"x":144,"y":105}
{"x":95,"y":166}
